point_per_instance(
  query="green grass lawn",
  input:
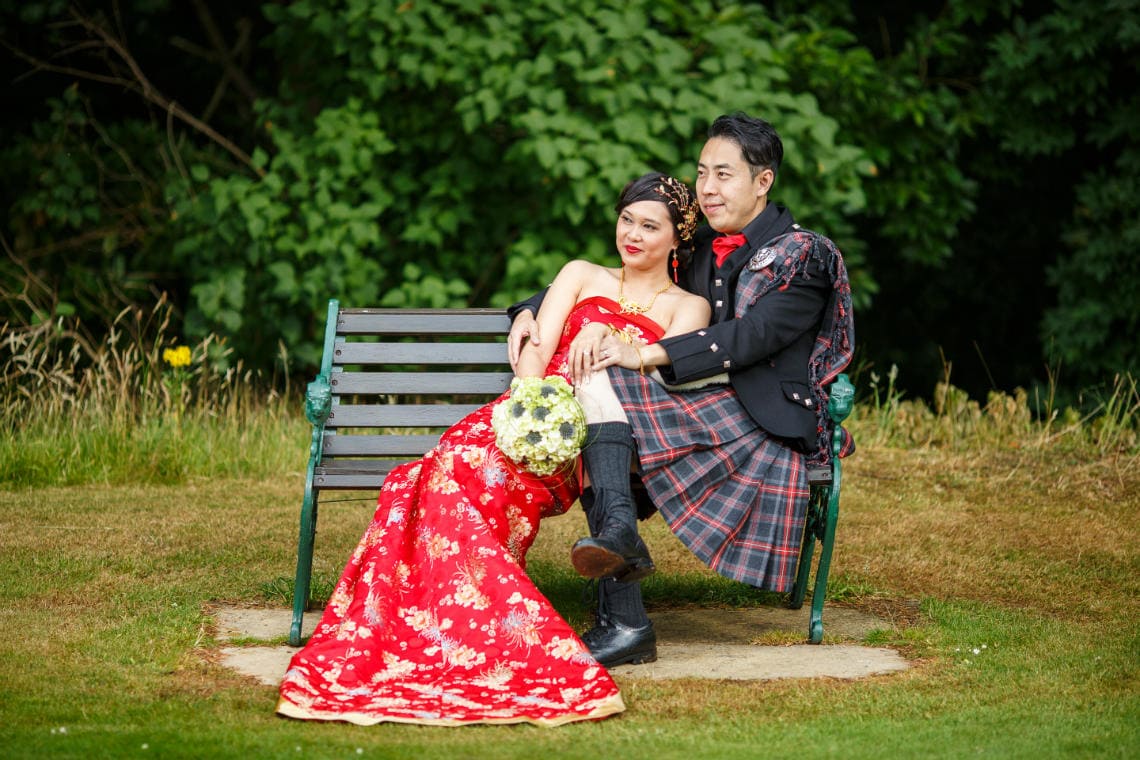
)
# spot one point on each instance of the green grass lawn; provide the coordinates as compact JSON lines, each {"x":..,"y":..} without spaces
{"x":1026,"y":557}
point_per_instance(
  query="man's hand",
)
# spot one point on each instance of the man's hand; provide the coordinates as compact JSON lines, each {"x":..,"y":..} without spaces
{"x":614,"y":352}
{"x":522,"y":328}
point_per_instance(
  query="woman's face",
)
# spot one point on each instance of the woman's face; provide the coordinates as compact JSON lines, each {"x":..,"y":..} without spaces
{"x":645,"y":235}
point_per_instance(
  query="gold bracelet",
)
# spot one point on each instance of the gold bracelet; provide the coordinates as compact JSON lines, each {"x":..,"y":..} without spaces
{"x":621,"y":335}
{"x":640,"y":361}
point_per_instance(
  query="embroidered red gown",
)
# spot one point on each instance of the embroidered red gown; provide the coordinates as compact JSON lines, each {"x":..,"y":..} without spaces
{"x":434,"y":620}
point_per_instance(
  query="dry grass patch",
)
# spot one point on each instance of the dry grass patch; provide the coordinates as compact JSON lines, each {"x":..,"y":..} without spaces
{"x":1021,"y":529}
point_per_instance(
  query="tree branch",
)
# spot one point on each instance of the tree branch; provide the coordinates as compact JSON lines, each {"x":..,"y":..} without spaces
{"x":212,"y":57}
{"x":41,"y":65}
{"x":225,"y":55}
{"x":152,"y":94}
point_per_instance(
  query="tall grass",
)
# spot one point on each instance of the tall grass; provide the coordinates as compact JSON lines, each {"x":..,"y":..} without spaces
{"x":123,"y":409}
{"x":129,"y":408}
{"x":1110,"y":425}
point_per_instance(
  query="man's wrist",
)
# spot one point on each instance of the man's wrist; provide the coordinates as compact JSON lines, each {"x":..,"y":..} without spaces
{"x":654,"y":355}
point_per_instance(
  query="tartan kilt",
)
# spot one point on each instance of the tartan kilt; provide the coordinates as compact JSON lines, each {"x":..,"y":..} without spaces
{"x":733,"y":494}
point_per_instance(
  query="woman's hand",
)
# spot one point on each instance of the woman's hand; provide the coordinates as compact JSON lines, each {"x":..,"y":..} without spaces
{"x":585,"y":350}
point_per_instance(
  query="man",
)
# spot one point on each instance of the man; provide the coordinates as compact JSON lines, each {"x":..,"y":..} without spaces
{"x":724,"y":463}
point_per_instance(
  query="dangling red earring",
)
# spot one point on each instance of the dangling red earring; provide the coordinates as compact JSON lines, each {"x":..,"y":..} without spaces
{"x":675,"y":265}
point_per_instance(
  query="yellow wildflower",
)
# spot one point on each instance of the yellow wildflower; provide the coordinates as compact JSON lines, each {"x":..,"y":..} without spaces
{"x":179,"y":356}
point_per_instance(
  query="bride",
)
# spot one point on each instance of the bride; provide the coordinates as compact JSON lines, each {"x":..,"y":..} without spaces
{"x":434,"y":620}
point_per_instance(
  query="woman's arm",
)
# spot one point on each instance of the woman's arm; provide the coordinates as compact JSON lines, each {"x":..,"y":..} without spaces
{"x":556,"y":306}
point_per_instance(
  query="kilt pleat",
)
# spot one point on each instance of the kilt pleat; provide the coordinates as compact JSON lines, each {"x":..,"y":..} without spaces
{"x":735,"y":496}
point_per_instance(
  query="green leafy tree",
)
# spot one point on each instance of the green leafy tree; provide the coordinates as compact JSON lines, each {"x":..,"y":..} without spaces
{"x":1063,"y":84}
{"x":1002,"y":223}
{"x":451,"y":153}
{"x":98,"y":124}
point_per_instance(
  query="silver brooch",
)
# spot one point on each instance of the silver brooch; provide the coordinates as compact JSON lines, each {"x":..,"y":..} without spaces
{"x":761,"y":259}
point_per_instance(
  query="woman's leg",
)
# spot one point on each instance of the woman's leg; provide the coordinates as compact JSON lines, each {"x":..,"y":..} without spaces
{"x":624,"y":633}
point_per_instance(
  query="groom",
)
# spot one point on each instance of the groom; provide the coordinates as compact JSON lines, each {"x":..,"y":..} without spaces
{"x":771,"y":340}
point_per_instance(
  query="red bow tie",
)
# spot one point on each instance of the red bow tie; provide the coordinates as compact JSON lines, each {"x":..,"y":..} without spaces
{"x":723,"y":246}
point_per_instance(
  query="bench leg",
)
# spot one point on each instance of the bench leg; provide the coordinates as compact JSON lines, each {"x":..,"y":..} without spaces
{"x":807,"y":549}
{"x":813,"y":520}
{"x":303,"y":579}
{"x":819,"y":593}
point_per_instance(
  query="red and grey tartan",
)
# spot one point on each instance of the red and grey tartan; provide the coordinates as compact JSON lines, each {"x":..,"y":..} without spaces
{"x":735,"y":496}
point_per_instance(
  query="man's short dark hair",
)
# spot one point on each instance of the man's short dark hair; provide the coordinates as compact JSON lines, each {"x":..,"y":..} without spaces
{"x":758,"y":141}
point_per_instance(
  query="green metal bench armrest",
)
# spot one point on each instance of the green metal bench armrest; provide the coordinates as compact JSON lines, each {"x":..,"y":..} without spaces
{"x":839,"y":405}
{"x":318,"y":406}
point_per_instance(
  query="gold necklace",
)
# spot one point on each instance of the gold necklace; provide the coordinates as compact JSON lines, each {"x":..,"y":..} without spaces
{"x":633,"y":307}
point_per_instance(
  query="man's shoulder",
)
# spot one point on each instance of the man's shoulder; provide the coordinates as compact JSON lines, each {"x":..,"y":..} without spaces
{"x":800,"y":238}
{"x":797,"y":235}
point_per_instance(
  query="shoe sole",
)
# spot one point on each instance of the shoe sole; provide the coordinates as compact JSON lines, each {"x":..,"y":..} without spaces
{"x":641,"y":658}
{"x":595,"y":562}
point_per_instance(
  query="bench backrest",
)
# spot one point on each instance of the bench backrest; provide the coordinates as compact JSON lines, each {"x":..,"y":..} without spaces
{"x":399,"y":377}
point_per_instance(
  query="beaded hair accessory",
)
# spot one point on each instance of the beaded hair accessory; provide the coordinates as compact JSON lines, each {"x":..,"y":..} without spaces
{"x":680,"y":196}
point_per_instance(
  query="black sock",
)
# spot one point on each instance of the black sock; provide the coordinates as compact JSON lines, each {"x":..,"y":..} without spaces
{"x":621,"y":603}
{"x":593,"y":516}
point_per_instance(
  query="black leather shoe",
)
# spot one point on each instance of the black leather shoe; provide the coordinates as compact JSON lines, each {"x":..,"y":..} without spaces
{"x":636,"y":569}
{"x":616,"y":553}
{"x":616,"y":644}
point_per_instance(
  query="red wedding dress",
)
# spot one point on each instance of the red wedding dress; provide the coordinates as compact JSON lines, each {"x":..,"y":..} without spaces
{"x":435,"y":620}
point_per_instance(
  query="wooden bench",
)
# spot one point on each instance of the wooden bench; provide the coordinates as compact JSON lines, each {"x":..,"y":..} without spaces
{"x":391,"y":380}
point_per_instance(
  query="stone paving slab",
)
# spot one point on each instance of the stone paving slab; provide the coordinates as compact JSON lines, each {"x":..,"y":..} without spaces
{"x":744,"y":626}
{"x":696,"y":643}
{"x":263,"y":624}
{"x":744,"y":662}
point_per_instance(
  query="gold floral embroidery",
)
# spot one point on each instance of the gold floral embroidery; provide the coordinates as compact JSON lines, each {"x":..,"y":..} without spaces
{"x":563,"y":648}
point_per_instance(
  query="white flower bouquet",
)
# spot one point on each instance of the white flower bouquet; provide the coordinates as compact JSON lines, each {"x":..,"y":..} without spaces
{"x":541,"y":427}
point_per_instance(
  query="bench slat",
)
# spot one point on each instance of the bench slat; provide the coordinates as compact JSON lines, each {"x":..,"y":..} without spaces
{"x":367,"y":474}
{"x":349,"y":482}
{"x":491,"y":383}
{"x":419,"y":353}
{"x":422,"y":322}
{"x":377,"y":445}
{"x":391,"y":415}
{"x":359,"y":466}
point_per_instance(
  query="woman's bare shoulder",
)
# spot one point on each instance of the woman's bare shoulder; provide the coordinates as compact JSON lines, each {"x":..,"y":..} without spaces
{"x":582,"y":266}
{"x":692,"y":300}
{"x":696,"y":309}
{"x":591,"y":274}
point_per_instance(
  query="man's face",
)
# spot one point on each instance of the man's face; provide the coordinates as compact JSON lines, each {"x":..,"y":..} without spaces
{"x":729,"y":195}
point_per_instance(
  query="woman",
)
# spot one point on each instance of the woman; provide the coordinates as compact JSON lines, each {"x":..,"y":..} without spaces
{"x":435,"y":620}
